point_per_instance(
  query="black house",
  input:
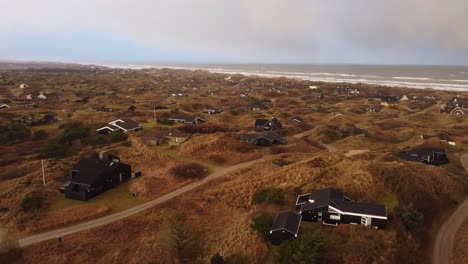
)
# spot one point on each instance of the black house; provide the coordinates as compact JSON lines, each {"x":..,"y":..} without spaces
{"x":265,"y":124}
{"x":95,"y":175}
{"x":285,"y":226}
{"x":332,"y":207}
{"x":431,"y":156}
{"x":264,"y":139}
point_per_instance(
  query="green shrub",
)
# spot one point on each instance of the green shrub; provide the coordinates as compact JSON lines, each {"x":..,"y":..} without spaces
{"x":269,"y":195}
{"x":40,"y":134}
{"x":13,"y":133}
{"x":178,"y":237}
{"x":262,"y":224}
{"x":101,"y":140}
{"x":72,"y":131}
{"x":217,"y":259}
{"x":411,"y":217}
{"x":32,"y":201}
{"x":52,"y":150}
{"x":304,"y":249}
{"x":118,"y":137}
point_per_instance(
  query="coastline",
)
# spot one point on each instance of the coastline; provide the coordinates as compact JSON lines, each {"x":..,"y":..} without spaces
{"x":394,"y":81}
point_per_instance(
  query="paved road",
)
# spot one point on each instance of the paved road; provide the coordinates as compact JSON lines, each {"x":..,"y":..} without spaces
{"x":443,"y":247}
{"x":54,"y":234}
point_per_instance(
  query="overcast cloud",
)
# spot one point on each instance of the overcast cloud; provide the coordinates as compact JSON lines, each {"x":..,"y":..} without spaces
{"x":281,"y":31}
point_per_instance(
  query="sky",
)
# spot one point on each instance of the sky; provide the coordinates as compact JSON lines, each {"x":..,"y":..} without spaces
{"x":242,"y":31}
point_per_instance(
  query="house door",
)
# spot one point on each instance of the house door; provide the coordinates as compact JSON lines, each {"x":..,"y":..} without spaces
{"x":366,"y":221}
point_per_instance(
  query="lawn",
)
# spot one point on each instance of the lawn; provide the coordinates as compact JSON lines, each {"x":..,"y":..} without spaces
{"x":118,"y":199}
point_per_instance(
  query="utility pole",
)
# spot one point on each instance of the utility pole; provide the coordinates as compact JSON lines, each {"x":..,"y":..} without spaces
{"x":43,"y":173}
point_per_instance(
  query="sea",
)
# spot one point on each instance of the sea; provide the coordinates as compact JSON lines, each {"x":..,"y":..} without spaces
{"x":449,"y":78}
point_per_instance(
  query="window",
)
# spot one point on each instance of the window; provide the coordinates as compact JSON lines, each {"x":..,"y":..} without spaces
{"x":319,"y":213}
{"x":335,"y":217}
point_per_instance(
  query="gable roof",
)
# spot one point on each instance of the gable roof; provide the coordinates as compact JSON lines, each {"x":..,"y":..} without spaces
{"x":186,"y":118}
{"x":419,"y":154}
{"x":332,"y":197}
{"x":287,"y":220}
{"x":269,"y":136}
{"x":260,"y":122}
{"x":90,"y":169}
{"x":125,"y":123}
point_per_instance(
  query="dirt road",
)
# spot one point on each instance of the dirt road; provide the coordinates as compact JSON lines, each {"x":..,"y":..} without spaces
{"x":443,"y":247}
{"x":54,"y":234}
{"x":24,"y":242}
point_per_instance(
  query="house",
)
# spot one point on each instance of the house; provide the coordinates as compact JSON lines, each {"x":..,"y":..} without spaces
{"x":353,"y":131}
{"x":24,"y":120}
{"x":331,"y":207}
{"x":264,"y":139}
{"x":22,"y":86}
{"x":104,"y":109}
{"x":258,"y":107}
{"x":316,"y":95}
{"x":389,"y":99}
{"x":404,"y":98}
{"x":268,"y":124}
{"x":372,"y":109}
{"x":41,"y":96}
{"x":285,"y":227}
{"x":298,"y":119}
{"x":45,"y":119}
{"x":457,"y":110}
{"x":313,"y":87}
{"x":120,"y":125}
{"x":4,"y":106}
{"x":132,"y":108}
{"x":431,"y":156}
{"x":186,"y":119}
{"x":211,"y":111}
{"x":95,"y":175}
{"x":176,"y":137}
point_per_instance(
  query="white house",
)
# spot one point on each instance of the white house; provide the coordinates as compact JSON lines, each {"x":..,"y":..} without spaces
{"x":22,"y":86}
{"x":41,"y":96}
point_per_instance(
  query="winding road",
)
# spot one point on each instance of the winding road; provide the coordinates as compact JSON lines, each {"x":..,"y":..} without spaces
{"x":443,"y":246}
{"x":54,"y":234}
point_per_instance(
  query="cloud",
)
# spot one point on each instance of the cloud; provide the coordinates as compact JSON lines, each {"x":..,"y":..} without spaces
{"x":256,"y":30}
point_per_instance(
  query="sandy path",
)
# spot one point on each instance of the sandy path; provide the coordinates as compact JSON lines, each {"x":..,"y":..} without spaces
{"x":443,"y":247}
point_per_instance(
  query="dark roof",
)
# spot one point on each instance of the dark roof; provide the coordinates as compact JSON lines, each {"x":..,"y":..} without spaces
{"x":91,"y":168}
{"x":265,"y":122}
{"x":270,"y":136}
{"x":419,"y":154}
{"x":287,"y":220}
{"x":261,"y":122}
{"x":335,"y":198}
{"x":127,"y":123}
{"x":186,"y":118}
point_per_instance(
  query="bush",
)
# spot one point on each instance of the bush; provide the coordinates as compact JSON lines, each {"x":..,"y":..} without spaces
{"x":101,"y":140}
{"x":14,"y":173}
{"x":304,"y":249}
{"x":217,"y":259}
{"x":262,"y":224}
{"x":118,"y":137}
{"x":72,"y":131}
{"x":32,"y":201}
{"x":126,"y":143}
{"x":40,"y":134}
{"x":52,"y":150}
{"x":189,"y":170}
{"x":178,"y":237}
{"x":269,"y":195}
{"x":411,"y":217}
{"x":14,"y":132}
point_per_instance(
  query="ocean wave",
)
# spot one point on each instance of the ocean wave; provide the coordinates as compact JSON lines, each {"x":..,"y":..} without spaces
{"x":397,"y":81}
{"x":412,"y":78}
